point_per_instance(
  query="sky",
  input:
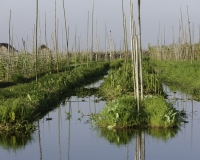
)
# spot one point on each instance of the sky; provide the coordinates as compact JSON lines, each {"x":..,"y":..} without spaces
{"x":155,"y":14}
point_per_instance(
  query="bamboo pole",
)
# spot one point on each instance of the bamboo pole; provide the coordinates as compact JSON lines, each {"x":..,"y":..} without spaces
{"x":137,"y":74}
{"x":55,"y":36}
{"x":140,"y":50}
{"x":75,"y":48}
{"x":199,"y":33}
{"x":132,"y":25}
{"x":9,"y":33}
{"x":66,"y":34}
{"x":96,"y":40}
{"x":87,"y":36}
{"x":92,"y":31}
{"x":45,"y":30}
{"x":36,"y":41}
{"x":9,"y":44}
{"x":189,"y":32}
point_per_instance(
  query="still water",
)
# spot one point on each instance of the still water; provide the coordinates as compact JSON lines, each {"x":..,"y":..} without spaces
{"x":66,"y":133}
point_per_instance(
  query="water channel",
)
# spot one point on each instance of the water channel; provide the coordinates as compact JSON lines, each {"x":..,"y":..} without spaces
{"x":66,"y":133}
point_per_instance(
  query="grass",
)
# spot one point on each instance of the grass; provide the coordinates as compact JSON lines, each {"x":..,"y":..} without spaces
{"x":121,"y":108}
{"x":24,"y":103}
{"x":183,"y":74}
{"x":154,"y":112}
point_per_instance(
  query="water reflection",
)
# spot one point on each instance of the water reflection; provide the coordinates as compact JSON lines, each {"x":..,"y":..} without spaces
{"x":13,"y":142}
{"x":39,"y":140}
{"x":70,"y":135}
{"x":140,"y":146}
{"x":69,"y":122}
{"x":124,"y":138}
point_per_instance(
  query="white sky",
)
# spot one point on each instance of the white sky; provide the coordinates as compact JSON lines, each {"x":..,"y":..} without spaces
{"x":153,"y":12}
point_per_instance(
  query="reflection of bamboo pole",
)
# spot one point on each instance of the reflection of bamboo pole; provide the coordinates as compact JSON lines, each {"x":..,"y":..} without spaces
{"x":142,"y":145}
{"x":94,"y":105}
{"x":68,"y":152}
{"x":90,"y":106}
{"x":59,"y":146}
{"x":127,"y":152}
{"x":39,"y":140}
{"x":191,"y":139}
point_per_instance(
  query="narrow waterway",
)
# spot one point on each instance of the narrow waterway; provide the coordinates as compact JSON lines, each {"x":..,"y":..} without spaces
{"x":66,"y":133}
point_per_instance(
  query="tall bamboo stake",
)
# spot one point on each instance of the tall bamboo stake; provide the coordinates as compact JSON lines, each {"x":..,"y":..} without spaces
{"x":199,"y":33}
{"x":140,"y":50}
{"x":189,"y":32}
{"x":9,"y":40}
{"x":9,"y":33}
{"x":66,"y":34}
{"x":55,"y":36}
{"x":36,"y":41}
{"x":96,"y":40}
{"x":87,"y":36}
{"x":92,"y":31}
{"x":137,"y":74}
{"x":106,"y":42}
{"x":132,"y":25}
{"x":75,"y":48}
{"x":45,"y":30}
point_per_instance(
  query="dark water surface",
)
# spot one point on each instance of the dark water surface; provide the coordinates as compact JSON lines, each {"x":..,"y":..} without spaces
{"x":71,"y":136}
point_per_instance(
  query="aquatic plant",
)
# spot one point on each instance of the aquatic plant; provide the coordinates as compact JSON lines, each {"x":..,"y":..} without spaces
{"x":154,"y":112}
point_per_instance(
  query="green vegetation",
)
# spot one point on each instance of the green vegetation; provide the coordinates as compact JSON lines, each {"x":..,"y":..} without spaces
{"x":183,"y":74}
{"x":175,"y":51}
{"x":121,"y":109}
{"x":154,"y":112}
{"x":24,"y":103}
{"x":120,"y":81}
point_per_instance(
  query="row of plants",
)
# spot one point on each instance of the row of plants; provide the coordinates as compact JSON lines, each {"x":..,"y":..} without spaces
{"x":22,"y":104}
{"x":121,"y":108}
{"x":184,"y":74}
{"x":21,"y":67}
{"x":175,"y":51}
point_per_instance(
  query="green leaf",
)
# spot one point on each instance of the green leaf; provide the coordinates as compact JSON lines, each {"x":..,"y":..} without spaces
{"x":29,"y":97}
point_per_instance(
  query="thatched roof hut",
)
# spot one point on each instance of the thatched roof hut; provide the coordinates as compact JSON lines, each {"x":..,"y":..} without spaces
{"x":4,"y":48}
{"x":44,"y":49}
